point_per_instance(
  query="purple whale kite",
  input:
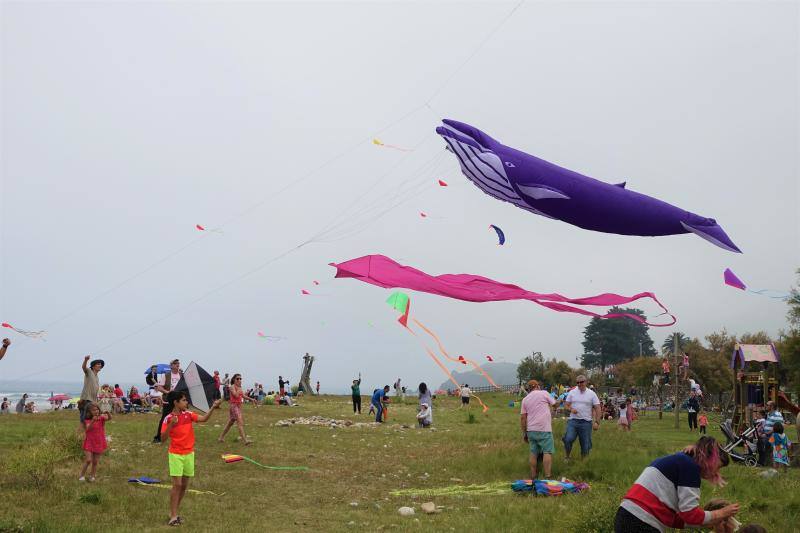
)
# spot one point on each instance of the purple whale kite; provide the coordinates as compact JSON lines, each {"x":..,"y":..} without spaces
{"x":546,"y":189}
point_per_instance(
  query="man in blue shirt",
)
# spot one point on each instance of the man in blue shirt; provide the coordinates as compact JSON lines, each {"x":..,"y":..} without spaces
{"x":773,"y":415}
{"x":379,"y":399}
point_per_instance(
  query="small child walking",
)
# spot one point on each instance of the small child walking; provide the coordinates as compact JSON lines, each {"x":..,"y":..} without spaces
{"x":780,"y":446}
{"x":702,"y":421}
{"x":624,"y":416}
{"x":179,"y":429}
{"x":94,"y":441}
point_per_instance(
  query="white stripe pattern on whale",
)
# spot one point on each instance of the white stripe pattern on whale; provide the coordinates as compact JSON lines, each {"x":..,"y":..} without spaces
{"x":489,"y":188}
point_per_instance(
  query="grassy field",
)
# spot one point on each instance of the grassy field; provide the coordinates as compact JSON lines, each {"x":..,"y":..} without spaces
{"x":353,"y":472}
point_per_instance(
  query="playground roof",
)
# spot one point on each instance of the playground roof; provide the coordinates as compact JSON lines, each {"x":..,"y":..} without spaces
{"x":762,"y":353}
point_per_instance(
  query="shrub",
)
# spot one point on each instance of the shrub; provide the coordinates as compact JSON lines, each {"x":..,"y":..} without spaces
{"x":90,"y":497}
{"x":471,"y":419}
{"x":268,"y":400}
{"x":35,"y":464}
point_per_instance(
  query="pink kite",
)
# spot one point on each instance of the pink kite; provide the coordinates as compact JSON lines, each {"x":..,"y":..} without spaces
{"x":489,"y":358}
{"x":732,"y":280}
{"x":384,"y":272}
{"x":316,"y":282}
{"x":442,"y":183}
{"x":31,"y":334}
{"x":303,"y":291}
{"x":423,"y":215}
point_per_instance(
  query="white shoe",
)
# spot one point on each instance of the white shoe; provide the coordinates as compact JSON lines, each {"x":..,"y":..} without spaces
{"x":81,"y":478}
{"x":91,"y":480}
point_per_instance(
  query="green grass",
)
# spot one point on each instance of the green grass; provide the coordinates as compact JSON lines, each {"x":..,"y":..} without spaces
{"x":362,"y":465}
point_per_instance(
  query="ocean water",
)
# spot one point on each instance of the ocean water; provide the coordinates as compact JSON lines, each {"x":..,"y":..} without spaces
{"x":39,"y":392}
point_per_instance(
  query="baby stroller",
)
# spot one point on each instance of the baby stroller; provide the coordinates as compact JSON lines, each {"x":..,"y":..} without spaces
{"x":748,"y":439}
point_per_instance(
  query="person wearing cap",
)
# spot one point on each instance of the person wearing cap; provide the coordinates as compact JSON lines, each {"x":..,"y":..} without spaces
{"x":584,"y":417}
{"x":91,"y":383}
{"x":166,"y":385}
{"x":536,"y":419}
{"x":424,"y":417}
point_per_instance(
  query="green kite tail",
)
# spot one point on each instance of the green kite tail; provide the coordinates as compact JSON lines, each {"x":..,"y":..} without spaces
{"x":275,"y":467}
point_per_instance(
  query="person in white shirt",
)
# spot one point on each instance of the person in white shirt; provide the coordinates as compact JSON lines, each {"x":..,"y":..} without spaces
{"x":465,"y":394}
{"x":584,"y":408}
{"x":166,"y":384}
{"x":424,"y":416}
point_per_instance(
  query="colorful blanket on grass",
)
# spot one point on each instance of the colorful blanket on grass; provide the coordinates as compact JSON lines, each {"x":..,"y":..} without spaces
{"x":549,"y":487}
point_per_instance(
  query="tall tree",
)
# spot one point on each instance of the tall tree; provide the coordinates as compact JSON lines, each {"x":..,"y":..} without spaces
{"x":668,"y":345}
{"x":531,"y":367}
{"x":638,"y":371}
{"x":606,"y":342}
{"x":789,"y":345}
{"x":557,"y":373}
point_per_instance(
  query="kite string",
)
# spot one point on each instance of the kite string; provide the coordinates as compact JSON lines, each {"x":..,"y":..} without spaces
{"x":336,"y":157}
{"x":444,"y":352}
{"x":473,"y":54}
{"x":339,"y":233}
{"x":230,"y":220}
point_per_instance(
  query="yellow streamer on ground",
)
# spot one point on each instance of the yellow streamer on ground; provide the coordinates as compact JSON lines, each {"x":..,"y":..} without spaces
{"x":444,"y":352}
{"x":191,"y":491}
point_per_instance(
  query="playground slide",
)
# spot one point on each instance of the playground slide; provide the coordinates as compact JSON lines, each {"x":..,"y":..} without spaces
{"x":783,"y":402}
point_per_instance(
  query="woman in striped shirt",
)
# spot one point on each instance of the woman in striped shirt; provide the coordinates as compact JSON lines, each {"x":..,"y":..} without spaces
{"x":667,"y":493}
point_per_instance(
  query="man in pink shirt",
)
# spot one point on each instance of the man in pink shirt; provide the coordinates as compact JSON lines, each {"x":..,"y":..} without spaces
{"x":537,"y":430}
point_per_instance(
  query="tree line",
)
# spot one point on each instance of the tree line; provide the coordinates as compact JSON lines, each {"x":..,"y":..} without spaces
{"x":621,"y":353}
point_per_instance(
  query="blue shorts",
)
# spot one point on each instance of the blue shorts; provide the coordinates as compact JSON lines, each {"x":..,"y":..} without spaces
{"x":541,"y":442}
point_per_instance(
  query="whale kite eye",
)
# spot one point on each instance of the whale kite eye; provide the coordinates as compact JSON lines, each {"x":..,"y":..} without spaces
{"x":510,"y":165}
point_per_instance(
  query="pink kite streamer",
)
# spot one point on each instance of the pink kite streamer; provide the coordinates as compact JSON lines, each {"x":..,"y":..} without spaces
{"x":384,"y":272}
{"x":32,"y":334}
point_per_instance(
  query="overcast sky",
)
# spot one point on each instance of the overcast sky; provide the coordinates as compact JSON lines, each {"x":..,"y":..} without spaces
{"x":125,"y":124}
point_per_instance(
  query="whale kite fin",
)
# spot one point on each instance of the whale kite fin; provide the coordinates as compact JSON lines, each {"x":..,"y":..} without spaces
{"x":540,"y":192}
{"x":713,"y":234}
{"x":621,"y":184}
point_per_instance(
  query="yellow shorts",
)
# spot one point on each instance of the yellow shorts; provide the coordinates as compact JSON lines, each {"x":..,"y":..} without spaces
{"x":181,"y":465}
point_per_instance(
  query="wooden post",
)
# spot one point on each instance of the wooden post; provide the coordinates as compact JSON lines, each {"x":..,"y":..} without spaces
{"x":676,"y":385}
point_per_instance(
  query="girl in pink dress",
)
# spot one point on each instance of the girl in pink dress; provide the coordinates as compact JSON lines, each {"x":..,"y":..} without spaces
{"x":94,"y":442}
{"x":237,"y":396}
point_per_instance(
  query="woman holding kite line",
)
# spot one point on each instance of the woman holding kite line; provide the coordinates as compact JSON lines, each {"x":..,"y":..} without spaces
{"x":237,"y":396}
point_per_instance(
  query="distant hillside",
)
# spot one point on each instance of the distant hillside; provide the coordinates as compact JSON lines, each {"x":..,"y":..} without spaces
{"x":502,"y":374}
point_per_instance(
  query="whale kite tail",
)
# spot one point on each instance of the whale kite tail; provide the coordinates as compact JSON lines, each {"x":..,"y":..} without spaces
{"x":713,"y":233}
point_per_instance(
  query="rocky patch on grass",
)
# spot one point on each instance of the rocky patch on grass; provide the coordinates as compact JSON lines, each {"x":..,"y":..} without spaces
{"x":332,"y":423}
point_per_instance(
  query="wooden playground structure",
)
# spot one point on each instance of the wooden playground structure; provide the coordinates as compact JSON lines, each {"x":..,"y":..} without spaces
{"x":755,"y":382}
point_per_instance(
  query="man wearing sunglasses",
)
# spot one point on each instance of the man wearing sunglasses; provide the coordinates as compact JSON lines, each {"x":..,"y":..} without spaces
{"x":584,"y":417}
